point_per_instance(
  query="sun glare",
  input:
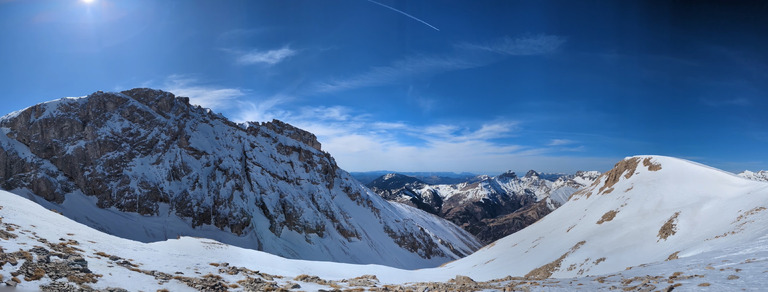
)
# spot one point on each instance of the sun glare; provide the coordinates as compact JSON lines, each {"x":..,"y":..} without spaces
{"x":87,"y":1}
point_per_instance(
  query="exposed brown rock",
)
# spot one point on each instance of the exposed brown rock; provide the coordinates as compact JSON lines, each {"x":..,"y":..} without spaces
{"x":673,"y":256}
{"x":608,"y":216}
{"x":651,"y":166}
{"x":669,"y":228}
{"x":628,"y":166}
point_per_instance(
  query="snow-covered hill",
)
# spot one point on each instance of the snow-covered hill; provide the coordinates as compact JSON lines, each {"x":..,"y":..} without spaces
{"x":758,"y":176}
{"x":143,"y":164}
{"x":718,"y":240}
{"x":647,"y":209}
{"x":491,"y":207}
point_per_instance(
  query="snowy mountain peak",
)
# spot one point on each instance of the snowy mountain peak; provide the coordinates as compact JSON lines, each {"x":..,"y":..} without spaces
{"x":646,"y":209}
{"x":758,"y":176}
{"x":531,"y":174}
{"x":146,"y":165}
{"x":507,"y":175}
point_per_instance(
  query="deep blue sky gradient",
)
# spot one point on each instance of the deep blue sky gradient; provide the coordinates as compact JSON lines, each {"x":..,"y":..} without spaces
{"x":546,"y":85}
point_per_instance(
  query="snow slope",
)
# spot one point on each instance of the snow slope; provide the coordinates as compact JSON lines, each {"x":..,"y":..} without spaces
{"x":647,"y":209}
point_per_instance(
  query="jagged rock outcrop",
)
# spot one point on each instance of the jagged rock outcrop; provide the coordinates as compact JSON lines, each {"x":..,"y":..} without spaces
{"x":489,"y":208}
{"x":267,"y":185}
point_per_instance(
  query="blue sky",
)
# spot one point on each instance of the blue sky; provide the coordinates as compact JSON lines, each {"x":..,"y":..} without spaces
{"x":479,"y":86}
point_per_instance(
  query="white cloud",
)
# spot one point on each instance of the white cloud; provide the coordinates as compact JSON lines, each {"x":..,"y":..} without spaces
{"x":560,"y":142}
{"x":212,"y":97}
{"x":358,"y":142}
{"x":264,"y":110}
{"x":270,"y":57}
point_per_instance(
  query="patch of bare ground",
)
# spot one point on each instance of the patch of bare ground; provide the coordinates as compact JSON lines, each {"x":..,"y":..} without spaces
{"x":57,"y":261}
{"x":651,"y":165}
{"x":257,"y":284}
{"x":364,"y":280}
{"x":645,"y":283}
{"x":669,"y":228}
{"x":628,"y":166}
{"x":317,"y":280}
{"x":546,"y":270}
{"x":598,"y":261}
{"x":608,"y":216}
{"x":751,"y":212}
{"x":463,"y":283}
{"x":673,"y":256}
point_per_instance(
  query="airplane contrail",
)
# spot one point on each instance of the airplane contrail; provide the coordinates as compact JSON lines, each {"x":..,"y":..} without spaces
{"x":406,"y":14}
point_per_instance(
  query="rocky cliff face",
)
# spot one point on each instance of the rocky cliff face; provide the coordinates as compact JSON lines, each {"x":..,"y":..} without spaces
{"x":492,"y":207}
{"x":267,"y":186}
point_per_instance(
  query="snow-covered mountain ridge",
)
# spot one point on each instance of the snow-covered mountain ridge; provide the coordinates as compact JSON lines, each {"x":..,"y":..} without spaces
{"x":145,"y":165}
{"x":490,"y":207}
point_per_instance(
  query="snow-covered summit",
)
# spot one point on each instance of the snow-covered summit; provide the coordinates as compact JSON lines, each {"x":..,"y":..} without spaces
{"x":758,"y":176}
{"x":146,"y":165}
{"x":646,"y":209}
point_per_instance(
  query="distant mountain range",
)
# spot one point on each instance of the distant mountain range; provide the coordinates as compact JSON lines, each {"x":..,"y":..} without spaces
{"x":433,"y":178}
{"x":488,"y":207}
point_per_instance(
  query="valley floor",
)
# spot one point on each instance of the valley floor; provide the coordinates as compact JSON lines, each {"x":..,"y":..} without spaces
{"x":43,"y":250}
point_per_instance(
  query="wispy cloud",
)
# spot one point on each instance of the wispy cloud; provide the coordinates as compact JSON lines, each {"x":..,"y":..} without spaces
{"x":462,"y":58}
{"x":262,"y":110}
{"x":560,"y":142}
{"x":213,"y":97}
{"x":523,"y":46}
{"x":412,"y":66}
{"x":269,"y":57}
